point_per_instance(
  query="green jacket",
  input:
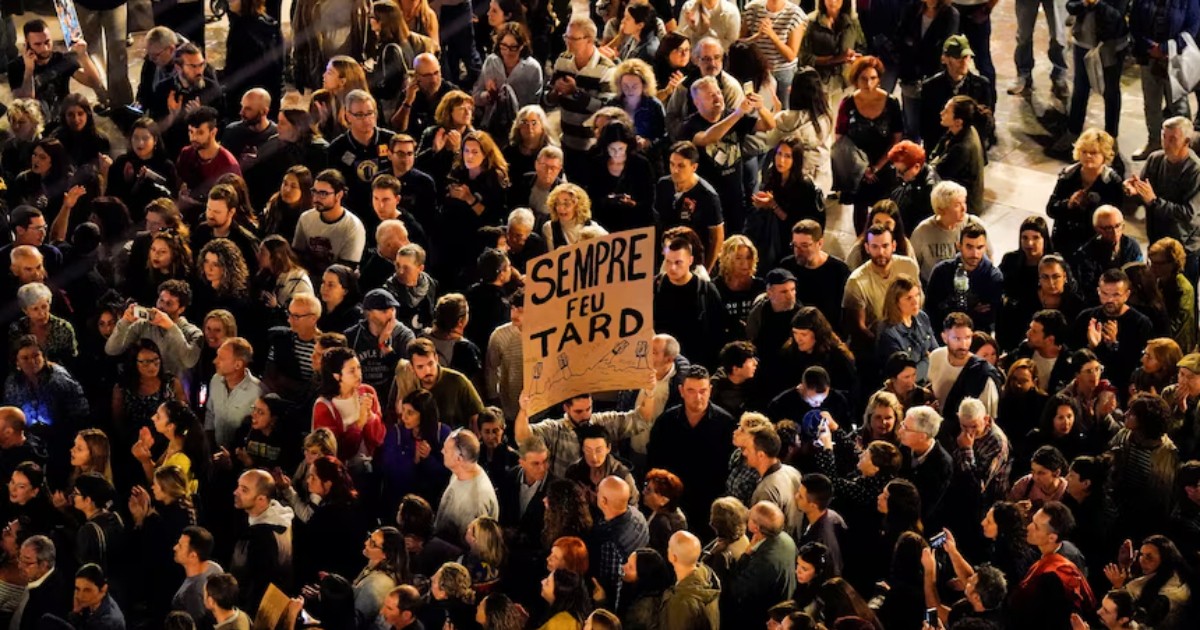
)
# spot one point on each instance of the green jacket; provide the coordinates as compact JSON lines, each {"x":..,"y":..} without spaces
{"x":692,"y":603}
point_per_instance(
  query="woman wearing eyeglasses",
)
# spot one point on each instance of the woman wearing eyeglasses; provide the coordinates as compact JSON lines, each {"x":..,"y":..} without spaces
{"x":511,"y":78}
{"x":1082,"y":187}
{"x":137,"y":396}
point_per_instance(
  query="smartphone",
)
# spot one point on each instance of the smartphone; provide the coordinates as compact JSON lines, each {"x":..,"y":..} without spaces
{"x":931,"y":617}
{"x":203,"y":394}
{"x":937,"y":540}
{"x":141,"y":312}
{"x":748,"y":88}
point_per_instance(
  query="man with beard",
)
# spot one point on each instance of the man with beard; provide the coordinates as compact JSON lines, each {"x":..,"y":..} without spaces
{"x":863,"y":298}
{"x":220,"y":222}
{"x":457,"y":400}
{"x":1115,"y":331}
{"x":327,"y":233}
{"x":193,"y":83}
{"x":985,"y":293}
{"x":204,"y":159}
{"x":44,"y":74}
{"x":244,"y":137}
{"x":956,"y":374}
{"x":709,"y":57}
{"x":820,"y":278}
{"x":769,"y":325}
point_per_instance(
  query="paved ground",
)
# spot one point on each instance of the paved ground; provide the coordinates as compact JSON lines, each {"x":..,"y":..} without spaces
{"x":1019,"y":177}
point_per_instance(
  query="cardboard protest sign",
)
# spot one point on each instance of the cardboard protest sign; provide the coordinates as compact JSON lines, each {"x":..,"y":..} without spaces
{"x":588,"y":317}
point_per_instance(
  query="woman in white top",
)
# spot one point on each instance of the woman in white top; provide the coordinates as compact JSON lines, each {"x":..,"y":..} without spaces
{"x":571,"y":211}
{"x":808,"y":118}
{"x":280,"y":274}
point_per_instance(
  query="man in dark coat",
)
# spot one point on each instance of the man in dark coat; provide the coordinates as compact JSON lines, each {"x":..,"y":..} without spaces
{"x":262,"y":554}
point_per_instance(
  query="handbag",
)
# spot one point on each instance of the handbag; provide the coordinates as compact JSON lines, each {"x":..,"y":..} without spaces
{"x":1183,"y":66}
{"x":1094,"y":64}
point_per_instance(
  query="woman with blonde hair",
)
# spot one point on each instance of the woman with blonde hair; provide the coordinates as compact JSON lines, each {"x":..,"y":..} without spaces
{"x":1167,"y":259}
{"x":570,"y":211}
{"x":634,"y":87}
{"x":737,"y":281}
{"x":486,"y":554}
{"x":420,"y":18}
{"x":451,"y":597}
{"x":159,"y":517}
{"x":26,"y":122}
{"x":1082,"y":187}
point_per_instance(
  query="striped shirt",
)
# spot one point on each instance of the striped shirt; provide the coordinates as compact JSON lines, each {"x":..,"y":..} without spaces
{"x":504,"y":368}
{"x":786,"y":20}
{"x":990,"y":461}
{"x":591,"y":91}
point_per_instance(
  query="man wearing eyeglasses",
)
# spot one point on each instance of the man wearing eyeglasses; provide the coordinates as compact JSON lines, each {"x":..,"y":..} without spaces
{"x":421,"y":97}
{"x":418,"y":193}
{"x":1110,"y":248}
{"x":1115,"y":331}
{"x":578,"y":87}
{"x":709,"y":56}
{"x":328,"y":233}
{"x":29,"y":227}
{"x":361,"y":153}
{"x":290,"y":348}
{"x":194,"y":84}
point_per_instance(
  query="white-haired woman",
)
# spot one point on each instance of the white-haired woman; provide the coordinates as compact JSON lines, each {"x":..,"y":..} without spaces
{"x":55,"y":334}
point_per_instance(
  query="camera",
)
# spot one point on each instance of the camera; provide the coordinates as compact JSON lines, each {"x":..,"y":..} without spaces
{"x":141,"y":312}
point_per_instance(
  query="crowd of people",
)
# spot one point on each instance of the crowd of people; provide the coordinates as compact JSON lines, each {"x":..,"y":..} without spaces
{"x":266,"y":363}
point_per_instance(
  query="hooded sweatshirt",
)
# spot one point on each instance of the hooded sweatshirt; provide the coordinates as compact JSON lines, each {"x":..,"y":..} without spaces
{"x":262,"y":554}
{"x":691,"y":604}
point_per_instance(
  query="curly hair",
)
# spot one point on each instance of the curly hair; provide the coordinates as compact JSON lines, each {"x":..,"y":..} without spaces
{"x":729,"y":250}
{"x":1095,"y":139}
{"x":236,"y":275}
{"x":665,"y":484}
{"x":639,"y":69}
{"x":567,"y":511}
{"x":583,"y":203}
{"x":455,"y":582}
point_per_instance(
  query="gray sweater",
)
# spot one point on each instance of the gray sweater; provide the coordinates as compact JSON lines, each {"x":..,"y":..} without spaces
{"x":1176,"y":211}
{"x":180,"y":344}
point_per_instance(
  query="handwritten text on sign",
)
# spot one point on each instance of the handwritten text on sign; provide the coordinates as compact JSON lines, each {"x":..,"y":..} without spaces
{"x":587,"y":323}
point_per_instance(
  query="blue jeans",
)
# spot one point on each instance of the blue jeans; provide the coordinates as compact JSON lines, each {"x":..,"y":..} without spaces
{"x":783,"y":83}
{"x":979,"y":35}
{"x":458,"y":44}
{"x":1056,"y":15}
{"x":1082,"y":90}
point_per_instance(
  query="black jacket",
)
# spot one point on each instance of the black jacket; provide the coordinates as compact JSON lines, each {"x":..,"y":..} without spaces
{"x":54,"y":596}
{"x":925,"y":49}
{"x":932,"y":479}
{"x":940,"y":88}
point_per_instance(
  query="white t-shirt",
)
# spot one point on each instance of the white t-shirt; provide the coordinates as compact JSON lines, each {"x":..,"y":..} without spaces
{"x":1044,"y":367}
{"x":942,"y":377}
{"x":343,"y":239}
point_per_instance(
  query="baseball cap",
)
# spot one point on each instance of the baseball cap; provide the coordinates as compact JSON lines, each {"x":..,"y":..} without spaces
{"x":779,"y":276}
{"x":957,"y":46}
{"x":1190,"y":363}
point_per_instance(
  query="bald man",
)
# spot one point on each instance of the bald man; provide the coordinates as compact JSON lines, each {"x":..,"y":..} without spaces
{"x":692,"y":602}
{"x":422,"y":96}
{"x":244,"y":137}
{"x":766,"y":574}
{"x":262,"y":554}
{"x":621,"y":531}
{"x":26,"y":265}
{"x":16,"y":445}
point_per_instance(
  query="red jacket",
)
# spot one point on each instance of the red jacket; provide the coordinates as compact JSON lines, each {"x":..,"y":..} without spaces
{"x":349,"y":439}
